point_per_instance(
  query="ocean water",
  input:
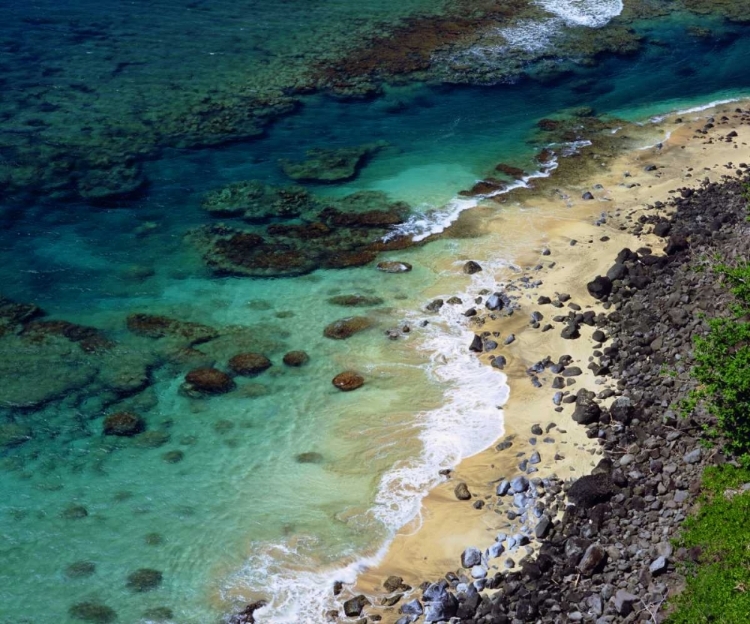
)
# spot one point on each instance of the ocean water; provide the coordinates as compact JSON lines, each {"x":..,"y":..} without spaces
{"x":214,"y":497}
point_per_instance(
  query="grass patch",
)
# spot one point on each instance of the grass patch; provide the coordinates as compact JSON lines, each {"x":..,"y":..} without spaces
{"x":718,"y":587}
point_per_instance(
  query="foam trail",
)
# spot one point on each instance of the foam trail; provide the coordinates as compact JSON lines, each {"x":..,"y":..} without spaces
{"x":590,"y":13}
{"x":422,"y":225}
{"x":698,"y":109}
{"x":469,"y":421}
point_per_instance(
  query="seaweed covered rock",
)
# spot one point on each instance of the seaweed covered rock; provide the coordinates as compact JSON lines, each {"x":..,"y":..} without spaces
{"x":207,"y":382}
{"x":332,"y":233}
{"x":355,"y":301}
{"x":330,"y":165}
{"x":144,"y":580}
{"x":14,"y":434}
{"x":249,"y":364}
{"x":257,"y":202}
{"x":93,"y":612}
{"x":125,"y":424}
{"x":158,"y":326}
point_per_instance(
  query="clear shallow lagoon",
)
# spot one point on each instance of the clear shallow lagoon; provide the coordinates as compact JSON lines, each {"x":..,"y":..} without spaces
{"x":237,"y":516}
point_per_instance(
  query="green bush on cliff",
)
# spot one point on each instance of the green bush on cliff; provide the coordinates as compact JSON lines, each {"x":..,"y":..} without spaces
{"x":717,"y":585}
{"x":722,"y":367}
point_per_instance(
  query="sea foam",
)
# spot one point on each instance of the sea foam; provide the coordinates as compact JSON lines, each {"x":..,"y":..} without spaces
{"x":468,"y":422}
{"x":590,"y":13}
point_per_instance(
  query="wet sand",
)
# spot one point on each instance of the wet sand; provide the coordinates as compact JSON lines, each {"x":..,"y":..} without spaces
{"x":552,"y":216}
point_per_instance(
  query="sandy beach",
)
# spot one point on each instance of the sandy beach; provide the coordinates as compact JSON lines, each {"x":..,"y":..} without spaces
{"x":554,"y":216}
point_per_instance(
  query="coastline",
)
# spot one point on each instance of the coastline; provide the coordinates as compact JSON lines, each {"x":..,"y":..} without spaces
{"x":432,"y":544}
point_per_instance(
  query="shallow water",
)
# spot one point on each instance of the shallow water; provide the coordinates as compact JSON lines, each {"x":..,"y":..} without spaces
{"x":234,"y":516}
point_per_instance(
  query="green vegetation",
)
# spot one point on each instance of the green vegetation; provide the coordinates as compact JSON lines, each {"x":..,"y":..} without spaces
{"x":718,"y":587}
{"x":722,"y":367}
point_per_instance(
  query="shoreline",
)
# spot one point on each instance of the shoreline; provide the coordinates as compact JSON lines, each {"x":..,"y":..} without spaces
{"x":445,"y":526}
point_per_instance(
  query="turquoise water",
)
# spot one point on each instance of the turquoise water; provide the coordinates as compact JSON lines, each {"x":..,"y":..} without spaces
{"x":214,"y":496}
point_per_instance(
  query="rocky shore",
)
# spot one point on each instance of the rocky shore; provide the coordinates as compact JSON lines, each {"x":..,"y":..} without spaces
{"x":595,"y":548}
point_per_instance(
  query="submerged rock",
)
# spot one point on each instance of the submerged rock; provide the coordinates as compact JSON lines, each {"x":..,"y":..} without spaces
{"x":80,"y":569}
{"x":124,"y":424}
{"x":93,"y":612}
{"x":311,"y":457}
{"x":157,"y":326}
{"x":355,"y":301}
{"x":208,"y":381}
{"x":392,"y":266}
{"x":257,"y":202}
{"x":348,"y":380}
{"x":296,"y":358}
{"x":330,"y":165}
{"x":144,"y":580}
{"x":249,"y":364}
{"x":347,"y":327}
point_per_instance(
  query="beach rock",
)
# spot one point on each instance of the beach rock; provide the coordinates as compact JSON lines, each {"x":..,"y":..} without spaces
{"x":496,"y":301}
{"x":462,"y":492}
{"x":590,"y":490}
{"x":413,"y":607}
{"x":354,"y":606}
{"x":600,"y":287}
{"x":156,"y":326}
{"x":392,"y":266}
{"x":617,"y":271}
{"x":442,"y":607}
{"x":570,"y":332}
{"x":593,"y":560}
{"x":246,"y":615}
{"x":393,"y":583}
{"x":355,"y":301}
{"x":124,"y":424}
{"x":499,"y":362}
{"x":662,"y":229}
{"x":471,"y":557}
{"x":93,"y":612}
{"x":587,"y":196}
{"x":249,"y":364}
{"x":144,"y":580}
{"x":477,"y":346}
{"x":519,"y":484}
{"x":208,"y":382}
{"x":587,"y":411}
{"x":434,"y":305}
{"x":296,"y":358}
{"x":347,"y":327}
{"x":542,"y":527}
{"x":471,"y":267}
{"x":510,"y":170}
{"x":624,"y":601}
{"x":348,"y":381}
{"x":621,"y":410}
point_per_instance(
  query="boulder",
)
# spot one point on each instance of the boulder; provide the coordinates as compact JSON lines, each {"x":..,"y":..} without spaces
{"x":593,"y":560}
{"x":296,"y":358}
{"x":392,"y":266}
{"x":125,"y":424}
{"x":472,"y":267}
{"x":348,"y":381}
{"x":208,"y":381}
{"x":144,"y":580}
{"x":617,"y":271}
{"x":347,"y":327}
{"x":590,"y":490}
{"x":587,"y":411}
{"x":249,"y":364}
{"x":354,"y":606}
{"x":471,"y":557}
{"x":600,"y":287}
{"x":393,"y":583}
{"x":462,"y":491}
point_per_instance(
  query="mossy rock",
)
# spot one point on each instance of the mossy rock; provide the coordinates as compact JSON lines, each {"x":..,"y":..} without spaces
{"x":80,"y":569}
{"x":144,"y":580}
{"x":92,"y":612}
